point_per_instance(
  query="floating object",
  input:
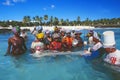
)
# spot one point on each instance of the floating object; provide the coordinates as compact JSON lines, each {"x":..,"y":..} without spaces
{"x":109,"y":38}
{"x":55,"y":53}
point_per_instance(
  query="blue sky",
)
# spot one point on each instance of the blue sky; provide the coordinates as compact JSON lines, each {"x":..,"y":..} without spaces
{"x":66,"y":9}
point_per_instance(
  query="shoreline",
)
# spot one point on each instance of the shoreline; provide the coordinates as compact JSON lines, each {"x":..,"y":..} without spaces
{"x":52,"y":27}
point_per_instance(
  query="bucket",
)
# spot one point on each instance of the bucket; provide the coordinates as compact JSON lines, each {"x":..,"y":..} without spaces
{"x":109,"y":38}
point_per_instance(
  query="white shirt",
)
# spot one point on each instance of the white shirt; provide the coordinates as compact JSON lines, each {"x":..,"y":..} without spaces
{"x":90,"y":40}
{"x":97,"y":46}
{"x":23,"y":35}
{"x":37,"y":46}
{"x":113,"y":58}
{"x":95,"y":34}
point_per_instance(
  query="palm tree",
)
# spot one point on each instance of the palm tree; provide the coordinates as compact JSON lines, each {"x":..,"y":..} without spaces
{"x":56,"y":21}
{"x":78,"y":20}
{"x":51,"y":20}
{"x":26,"y":19}
{"x":45,"y":17}
{"x":61,"y":22}
{"x":41,"y":19}
{"x":67,"y":22}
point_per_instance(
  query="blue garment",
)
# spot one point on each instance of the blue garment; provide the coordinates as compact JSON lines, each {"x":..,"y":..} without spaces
{"x":94,"y":54}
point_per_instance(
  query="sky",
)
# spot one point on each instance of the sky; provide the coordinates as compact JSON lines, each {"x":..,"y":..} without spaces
{"x":66,"y":9}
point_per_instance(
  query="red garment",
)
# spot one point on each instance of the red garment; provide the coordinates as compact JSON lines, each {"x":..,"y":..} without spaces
{"x":56,"y":45}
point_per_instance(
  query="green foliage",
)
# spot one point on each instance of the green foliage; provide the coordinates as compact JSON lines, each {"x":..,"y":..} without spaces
{"x":49,"y":21}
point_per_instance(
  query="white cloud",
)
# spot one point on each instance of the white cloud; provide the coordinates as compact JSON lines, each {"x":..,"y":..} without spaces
{"x":15,"y":1}
{"x":52,"y":6}
{"x":49,"y":7}
{"x":7,"y":3}
{"x":12,"y":2}
{"x":44,"y":9}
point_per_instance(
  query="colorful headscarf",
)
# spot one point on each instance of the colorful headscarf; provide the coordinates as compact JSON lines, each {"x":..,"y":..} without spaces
{"x":40,"y":35}
{"x":16,"y":29}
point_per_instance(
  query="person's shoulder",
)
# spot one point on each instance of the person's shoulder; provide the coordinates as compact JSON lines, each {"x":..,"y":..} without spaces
{"x":11,"y":38}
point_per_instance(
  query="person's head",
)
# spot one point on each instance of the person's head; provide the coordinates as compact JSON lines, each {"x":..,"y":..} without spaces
{"x":73,"y":31}
{"x":56,"y":29}
{"x":34,"y":28}
{"x":77,"y":33}
{"x":23,"y":31}
{"x":16,"y":30}
{"x":47,"y":33}
{"x":109,"y":41}
{"x":56,"y":36}
{"x":62,"y":32}
{"x":110,"y":49}
{"x":56,"y":39}
{"x":68,"y":33}
{"x":40,"y":36}
{"x":90,"y":33}
{"x":39,"y":29}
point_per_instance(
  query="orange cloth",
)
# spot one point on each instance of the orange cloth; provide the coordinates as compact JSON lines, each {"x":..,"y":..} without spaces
{"x":68,"y":40}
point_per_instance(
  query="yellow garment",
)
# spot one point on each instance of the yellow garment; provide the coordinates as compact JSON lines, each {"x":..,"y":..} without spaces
{"x":40,"y":35}
{"x":56,"y":28}
{"x":88,"y":35}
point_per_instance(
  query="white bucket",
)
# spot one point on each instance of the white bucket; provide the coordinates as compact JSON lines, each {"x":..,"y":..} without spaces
{"x":109,"y":38}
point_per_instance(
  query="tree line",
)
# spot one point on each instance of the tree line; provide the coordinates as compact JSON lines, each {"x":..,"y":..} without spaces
{"x":54,"y":21}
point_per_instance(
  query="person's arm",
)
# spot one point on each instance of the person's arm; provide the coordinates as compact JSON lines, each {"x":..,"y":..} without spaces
{"x":24,"y":45}
{"x":51,"y":46}
{"x":32,"y":50}
{"x":9,"y":47}
{"x":33,"y":31}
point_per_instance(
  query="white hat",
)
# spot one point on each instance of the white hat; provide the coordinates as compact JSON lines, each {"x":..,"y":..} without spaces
{"x":68,"y":31}
{"x":55,"y":35}
{"x":78,"y":32}
{"x":39,"y":28}
{"x":47,"y":32}
{"x":109,"y":39}
{"x":62,"y":29}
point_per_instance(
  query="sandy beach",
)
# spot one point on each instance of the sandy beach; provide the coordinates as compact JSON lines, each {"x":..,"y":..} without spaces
{"x":52,"y":27}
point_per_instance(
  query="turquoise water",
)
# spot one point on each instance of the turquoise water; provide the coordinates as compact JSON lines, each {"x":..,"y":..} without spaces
{"x":70,"y":67}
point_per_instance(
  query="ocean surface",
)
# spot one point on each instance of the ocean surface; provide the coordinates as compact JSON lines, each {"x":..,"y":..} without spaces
{"x":70,"y":67}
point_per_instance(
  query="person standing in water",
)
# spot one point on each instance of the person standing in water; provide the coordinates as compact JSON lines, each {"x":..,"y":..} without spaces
{"x":16,"y":44}
{"x":37,"y":46}
{"x":112,"y":53}
{"x":24,"y":34}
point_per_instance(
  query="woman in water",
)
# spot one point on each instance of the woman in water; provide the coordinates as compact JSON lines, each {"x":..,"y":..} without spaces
{"x":16,"y":42}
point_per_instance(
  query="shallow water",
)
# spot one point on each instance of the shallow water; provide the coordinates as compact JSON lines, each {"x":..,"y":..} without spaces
{"x":69,"y":67}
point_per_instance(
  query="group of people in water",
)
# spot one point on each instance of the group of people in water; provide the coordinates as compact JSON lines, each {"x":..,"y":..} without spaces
{"x":58,"y":40}
{"x":61,"y":40}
